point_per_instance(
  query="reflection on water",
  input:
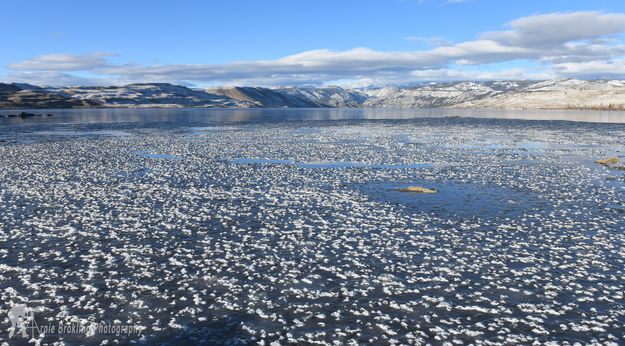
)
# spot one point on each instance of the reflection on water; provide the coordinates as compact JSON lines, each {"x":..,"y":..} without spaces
{"x":199,"y":115}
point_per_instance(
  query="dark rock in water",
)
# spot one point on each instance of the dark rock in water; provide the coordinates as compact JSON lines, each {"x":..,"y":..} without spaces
{"x":25,"y":115}
{"x":2,"y":141}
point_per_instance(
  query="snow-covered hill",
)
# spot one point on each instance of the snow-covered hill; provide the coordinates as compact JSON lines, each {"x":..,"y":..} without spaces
{"x":557,"y":94}
{"x":147,"y":95}
{"x":328,"y":96}
{"x":262,"y":97}
{"x":551,"y":94}
{"x":438,"y":95}
{"x":29,"y":96}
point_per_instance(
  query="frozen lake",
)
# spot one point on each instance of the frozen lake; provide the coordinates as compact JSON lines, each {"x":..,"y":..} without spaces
{"x":243,"y":226}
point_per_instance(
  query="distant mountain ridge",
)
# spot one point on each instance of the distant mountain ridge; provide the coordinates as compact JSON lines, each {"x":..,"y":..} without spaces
{"x":550,"y":94}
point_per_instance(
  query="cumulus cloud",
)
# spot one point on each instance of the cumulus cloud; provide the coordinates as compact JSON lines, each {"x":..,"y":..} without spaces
{"x":565,"y":43}
{"x":556,"y":29}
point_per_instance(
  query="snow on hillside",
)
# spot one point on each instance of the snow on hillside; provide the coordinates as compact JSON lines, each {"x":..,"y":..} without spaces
{"x":430,"y":96}
{"x":550,"y":94}
{"x":553,"y":99}
{"x":147,"y":95}
{"x":382,"y":92}
{"x":328,"y":96}
{"x":263,"y":97}
{"x":557,"y":94}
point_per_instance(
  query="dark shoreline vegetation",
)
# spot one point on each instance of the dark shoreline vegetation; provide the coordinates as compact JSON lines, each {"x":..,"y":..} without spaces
{"x":26,"y":115}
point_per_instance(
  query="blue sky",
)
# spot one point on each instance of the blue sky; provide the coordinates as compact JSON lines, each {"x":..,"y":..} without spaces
{"x":351,"y":43}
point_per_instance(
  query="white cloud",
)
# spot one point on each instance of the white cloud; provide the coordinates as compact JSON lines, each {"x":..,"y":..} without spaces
{"x":591,"y":69}
{"x":563,"y":43}
{"x":555,"y":29}
{"x":62,"y":62}
{"x":53,"y":78}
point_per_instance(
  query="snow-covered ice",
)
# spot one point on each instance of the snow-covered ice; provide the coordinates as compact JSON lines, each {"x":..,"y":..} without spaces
{"x":257,"y":232}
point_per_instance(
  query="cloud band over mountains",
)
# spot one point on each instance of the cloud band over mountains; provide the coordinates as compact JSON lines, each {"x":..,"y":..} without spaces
{"x":580,"y":44}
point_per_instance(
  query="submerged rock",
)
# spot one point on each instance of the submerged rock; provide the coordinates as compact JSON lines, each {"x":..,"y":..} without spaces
{"x":2,"y":141}
{"x":609,"y":161}
{"x":417,"y":189}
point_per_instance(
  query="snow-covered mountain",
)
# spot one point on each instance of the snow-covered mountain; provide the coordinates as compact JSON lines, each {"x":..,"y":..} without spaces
{"x":438,"y":95}
{"x":551,"y":94}
{"x":263,"y":97}
{"x":328,"y":96}
{"x":556,"y":94}
{"x":147,"y":95}
{"x":31,"y":96}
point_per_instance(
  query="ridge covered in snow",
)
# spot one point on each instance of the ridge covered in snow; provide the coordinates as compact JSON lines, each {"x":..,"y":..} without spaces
{"x":550,"y":94}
